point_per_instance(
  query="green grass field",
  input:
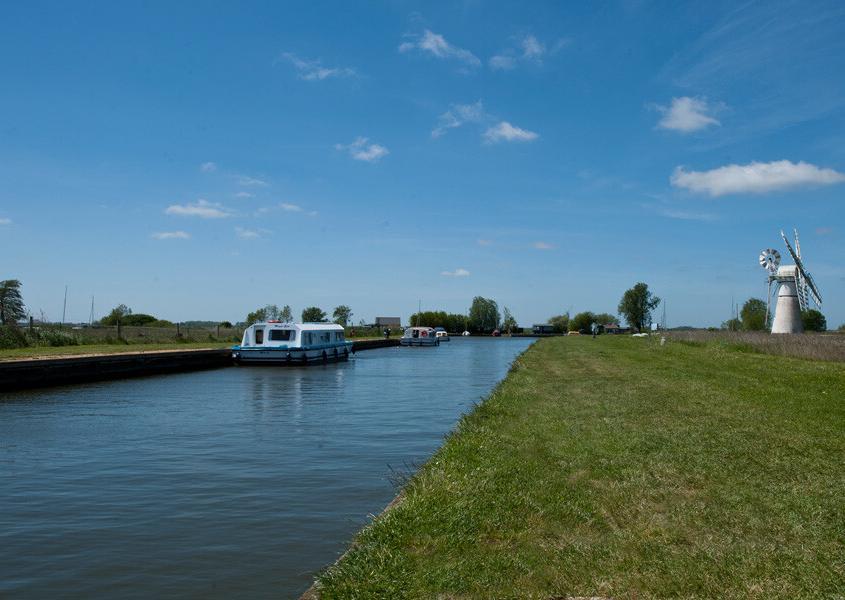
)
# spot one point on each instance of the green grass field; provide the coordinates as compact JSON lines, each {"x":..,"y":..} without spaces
{"x":49,"y":351}
{"x":620,"y":468}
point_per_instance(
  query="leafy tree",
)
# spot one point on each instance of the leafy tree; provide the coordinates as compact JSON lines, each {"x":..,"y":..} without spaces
{"x":732,"y":325}
{"x":753,"y":315}
{"x":560,"y":323}
{"x":11,"y":302}
{"x":439,"y":318}
{"x":138,"y":319}
{"x":582,"y":322}
{"x":313,"y":314}
{"x":342,"y":315}
{"x":509,"y":324}
{"x":286,"y":314}
{"x":813,"y":320}
{"x":841,"y":327}
{"x":117,"y":315}
{"x":605,"y":319}
{"x":256,"y":316}
{"x":483,"y":315}
{"x":636,"y":306}
{"x":226,"y":324}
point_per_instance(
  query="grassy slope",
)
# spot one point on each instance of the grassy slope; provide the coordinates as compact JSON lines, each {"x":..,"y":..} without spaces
{"x":47,"y":351}
{"x":616,"y":467}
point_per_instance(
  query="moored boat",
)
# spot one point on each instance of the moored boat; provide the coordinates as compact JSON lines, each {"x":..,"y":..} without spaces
{"x":441,"y":334}
{"x":276,"y":343}
{"x":419,"y":336}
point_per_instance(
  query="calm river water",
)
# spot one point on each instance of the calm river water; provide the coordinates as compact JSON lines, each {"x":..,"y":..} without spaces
{"x":241,"y":481}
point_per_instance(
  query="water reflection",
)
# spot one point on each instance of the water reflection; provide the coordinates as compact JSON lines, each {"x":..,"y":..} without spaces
{"x":237,"y":481}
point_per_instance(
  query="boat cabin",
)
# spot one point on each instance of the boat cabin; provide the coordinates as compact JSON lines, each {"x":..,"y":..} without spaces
{"x":274,"y":334}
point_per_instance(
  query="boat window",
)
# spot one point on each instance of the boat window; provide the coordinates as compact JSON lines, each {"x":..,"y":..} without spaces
{"x":326,"y":337}
{"x":339,"y":335}
{"x":280,"y":335}
{"x":259,"y":336}
{"x":306,"y":339}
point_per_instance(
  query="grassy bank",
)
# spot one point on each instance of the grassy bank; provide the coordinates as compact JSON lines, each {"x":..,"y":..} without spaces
{"x":49,"y":351}
{"x":619,"y":467}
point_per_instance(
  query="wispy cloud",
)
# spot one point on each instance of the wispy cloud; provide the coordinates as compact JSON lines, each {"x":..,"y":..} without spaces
{"x":457,"y":115}
{"x":243,"y":195}
{"x":824,"y":230}
{"x":247,"y":181}
{"x":543,"y":246}
{"x":525,"y":49}
{"x":5,"y":221}
{"x":505,"y":132}
{"x":313,"y":69}
{"x":201,"y":208}
{"x":686,"y":215}
{"x":687,"y":114}
{"x":456,"y":273}
{"x":287,"y":207}
{"x":208,"y":167}
{"x":247,"y":234}
{"x":485,"y":242}
{"x":171,"y":235}
{"x":436,"y":45}
{"x":754,"y":178}
{"x":361,"y":149}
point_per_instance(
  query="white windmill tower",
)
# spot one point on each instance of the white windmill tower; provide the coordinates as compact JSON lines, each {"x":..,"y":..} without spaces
{"x":795,"y":288}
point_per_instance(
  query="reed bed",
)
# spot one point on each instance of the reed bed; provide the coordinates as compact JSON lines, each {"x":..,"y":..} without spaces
{"x":811,"y":346}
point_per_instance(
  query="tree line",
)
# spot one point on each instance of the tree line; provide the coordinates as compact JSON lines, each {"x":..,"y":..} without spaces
{"x":342,"y":315}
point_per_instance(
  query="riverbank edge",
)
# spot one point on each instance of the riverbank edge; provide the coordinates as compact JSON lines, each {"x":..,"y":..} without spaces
{"x":313,"y":592}
{"x":47,"y":372}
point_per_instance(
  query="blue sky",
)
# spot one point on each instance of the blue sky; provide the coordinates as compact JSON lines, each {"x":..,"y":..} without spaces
{"x":198,"y":160}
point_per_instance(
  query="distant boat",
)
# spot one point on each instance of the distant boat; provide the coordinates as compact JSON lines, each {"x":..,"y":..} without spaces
{"x":441,"y":334}
{"x":419,"y":336}
{"x":465,"y":333}
{"x":276,"y":343}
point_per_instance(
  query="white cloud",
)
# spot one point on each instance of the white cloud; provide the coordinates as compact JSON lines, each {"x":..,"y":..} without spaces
{"x":754,"y":178}
{"x":290,"y":207}
{"x":247,"y":181}
{"x":824,"y":230}
{"x":456,"y":273}
{"x":247,"y":234}
{"x":436,"y":45}
{"x":532,"y":48}
{"x":360,"y":149}
{"x":457,"y":115}
{"x":172,"y":235}
{"x":526,"y":49}
{"x":686,"y":215}
{"x":504,"y":131}
{"x":243,"y":195}
{"x":502,"y":62}
{"x":485,"y":242}
{"x":201,"y":208}
{"x":208,"y":167}
{"x":543,"y":246}
{"x":5,"y":221}
{"x":313,"y":70}
{"x":687,"y":115}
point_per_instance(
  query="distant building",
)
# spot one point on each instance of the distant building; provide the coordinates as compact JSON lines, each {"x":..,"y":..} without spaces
{"x":388,"y":322}
{"x":614,"y":328}
{"x":543,"y":329}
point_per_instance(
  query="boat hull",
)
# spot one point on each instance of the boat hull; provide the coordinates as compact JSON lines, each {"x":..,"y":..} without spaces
{"x":428,"y":341}
{"x":291,"y":356}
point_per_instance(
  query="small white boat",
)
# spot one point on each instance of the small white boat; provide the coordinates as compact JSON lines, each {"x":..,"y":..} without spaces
{"x":276,"y":343}
{"x":419,"y":336}
{"x":465,"y":333}
{"x":441,"y":334}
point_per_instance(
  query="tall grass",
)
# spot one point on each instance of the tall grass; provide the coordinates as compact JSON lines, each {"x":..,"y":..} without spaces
{"x":812,"y":346}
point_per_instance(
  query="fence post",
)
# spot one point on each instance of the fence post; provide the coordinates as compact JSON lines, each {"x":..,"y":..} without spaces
{"x":218,"y":330}
{"x":30,"y":324}
{"x":118,"y":328}
{"x":177,"y":330}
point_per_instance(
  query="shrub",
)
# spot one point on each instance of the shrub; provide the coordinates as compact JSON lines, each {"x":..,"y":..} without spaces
{"x":12,"y":337}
